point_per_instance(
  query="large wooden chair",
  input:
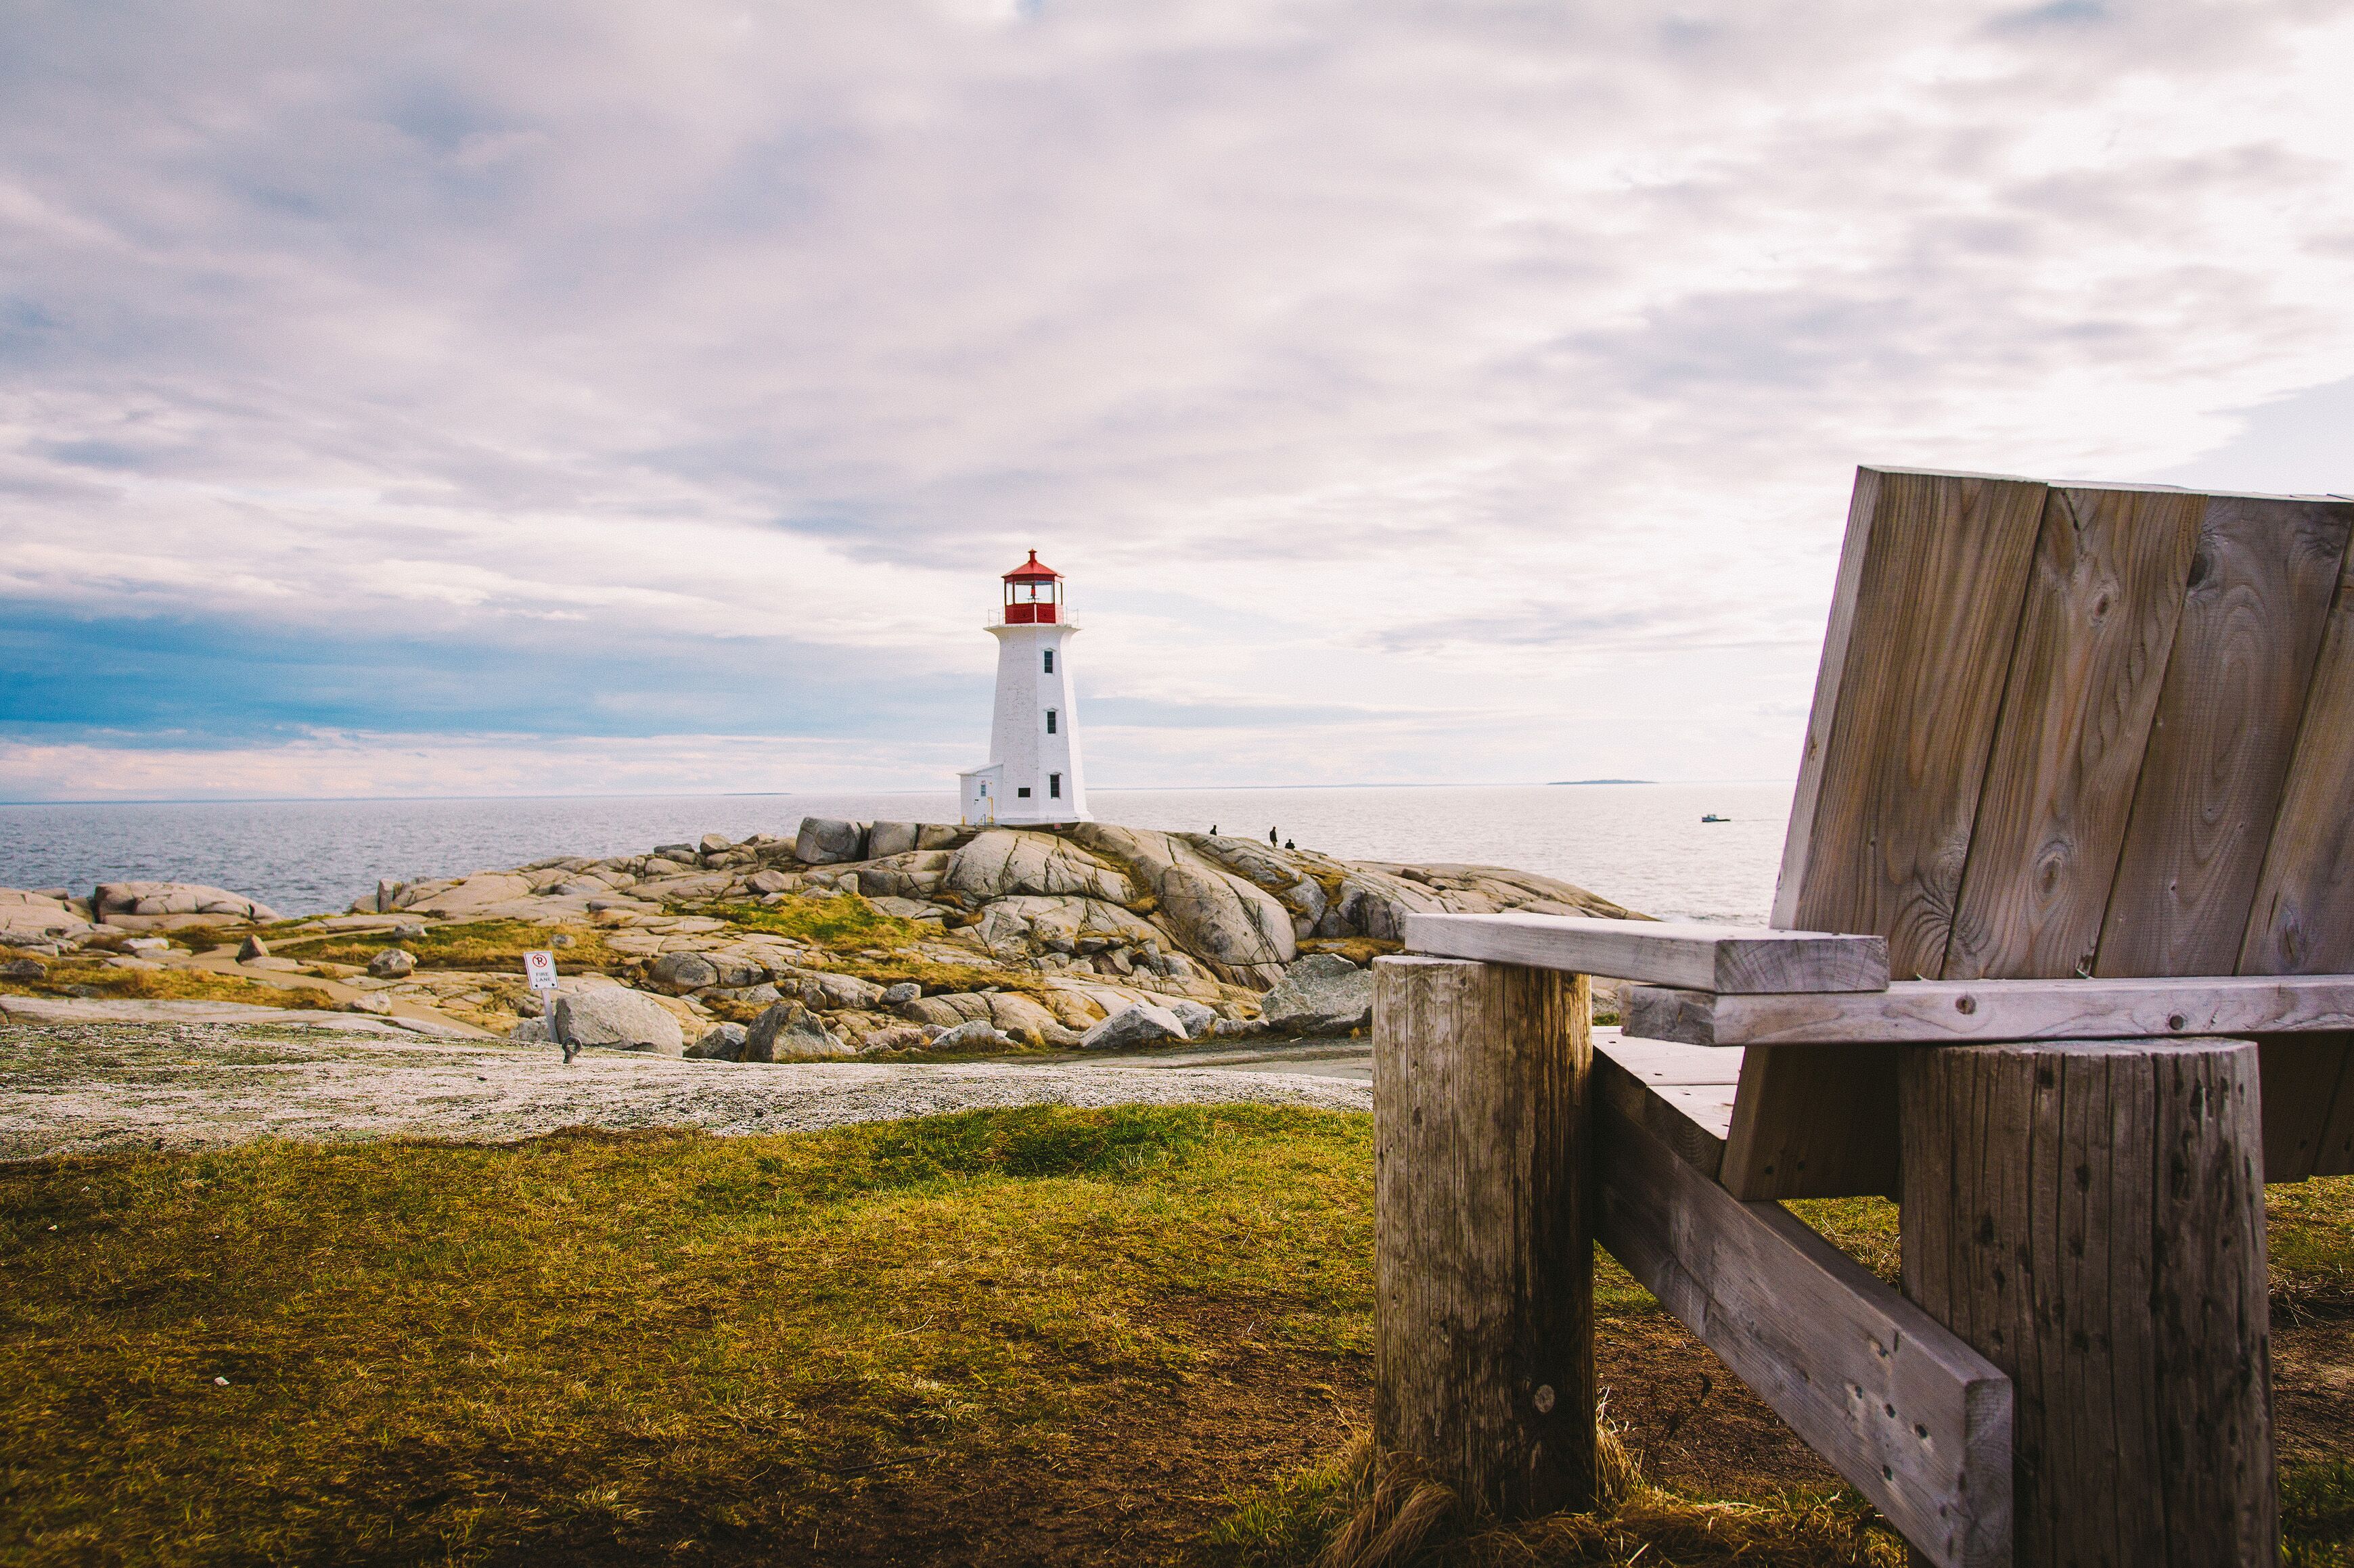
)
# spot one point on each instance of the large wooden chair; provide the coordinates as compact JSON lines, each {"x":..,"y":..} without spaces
{"x":2080,"y":775}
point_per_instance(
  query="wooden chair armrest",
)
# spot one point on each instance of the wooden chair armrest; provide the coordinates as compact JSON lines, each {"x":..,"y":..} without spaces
{"x":1724,"y":959}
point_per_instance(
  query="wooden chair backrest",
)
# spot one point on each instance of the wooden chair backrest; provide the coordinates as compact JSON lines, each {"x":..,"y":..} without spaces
{"x":2065,"y":729}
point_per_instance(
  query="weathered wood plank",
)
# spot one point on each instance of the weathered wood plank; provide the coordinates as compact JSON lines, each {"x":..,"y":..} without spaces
{"x":1915,"y":1420}
{"x":2308,"y":1105}
{"x":1704,"y":958}
{"x":2303,"y":918}
{"x":1924,"y":633}
{"x":1961,"y":1012}
{"x":1813,"y":1121}
{"x":1668,"y":1061}
{"x":1681,"y":1095}
{"x":2090,"y":1217}
{"x":1839,"y":636}
{"x":2243,"y":657}
{"x":1483,"y":1258}
{"x":2111,"y":567}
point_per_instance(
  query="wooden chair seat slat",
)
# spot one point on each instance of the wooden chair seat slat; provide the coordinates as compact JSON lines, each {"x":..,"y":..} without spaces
{"x":1680,"y":1095}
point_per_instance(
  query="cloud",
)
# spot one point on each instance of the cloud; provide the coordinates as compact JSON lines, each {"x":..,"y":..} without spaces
{"x":1360,"y":362}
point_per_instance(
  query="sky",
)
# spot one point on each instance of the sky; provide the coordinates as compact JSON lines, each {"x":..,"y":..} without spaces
{"x":581,"y":397}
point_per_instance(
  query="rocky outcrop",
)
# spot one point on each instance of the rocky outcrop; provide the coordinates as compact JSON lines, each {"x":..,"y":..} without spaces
{"x":824,"y":992}
{"x":1321,"y":995}
{"x":613,"y":1016}
{"x":1011,"y":1011}
{"x":135,"y":905}
{"x":679,"y":974}
{"x":1240,"y":930}
{"x":1133,"y":1028}
{"x":1375,"y":896}
{"x":479,"y":896}
{"x":913,"y":874}
{"x":1083,"y":924}
{"x":1287,"y":875}
{"x":823,"y":841}
{"x":976,"y":1036}
{"x":46,"y":916}
{"x":1004,"y":863}
{"x":788,"y":1033}
{"x":885,"y":839}
{"x":722,"y":1042}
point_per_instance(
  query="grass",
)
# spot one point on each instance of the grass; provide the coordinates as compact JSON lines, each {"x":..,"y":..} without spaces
{"x":1040,"y":1334}
{"x":845,"y":921}
{"x":847,"y":924}
{"x":844,"y":926}
{"x":608,"y":1349}
{"x":71,"y":978}
{"x":2317,"y":1515}
{"x":937,"y":978}
{"x":1349,"y":1510}
{"x":2309,"y":1239}
{"x":480,"y":945}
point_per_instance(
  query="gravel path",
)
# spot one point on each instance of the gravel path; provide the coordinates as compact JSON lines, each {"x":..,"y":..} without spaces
{"x":78,"y":1087}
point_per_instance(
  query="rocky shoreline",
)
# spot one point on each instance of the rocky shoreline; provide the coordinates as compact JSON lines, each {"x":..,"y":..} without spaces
{"x":846,"y":940}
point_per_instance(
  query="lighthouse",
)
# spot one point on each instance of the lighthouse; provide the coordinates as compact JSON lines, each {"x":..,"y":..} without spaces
{"x":1032,"y":775}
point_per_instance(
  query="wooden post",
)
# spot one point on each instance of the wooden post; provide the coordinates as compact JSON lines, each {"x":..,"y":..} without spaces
{"x":1484,"y":1251}
{"x":2089,"y":1216}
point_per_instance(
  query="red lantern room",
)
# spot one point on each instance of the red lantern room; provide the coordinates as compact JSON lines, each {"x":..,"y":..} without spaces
{"x":1034,"y":593}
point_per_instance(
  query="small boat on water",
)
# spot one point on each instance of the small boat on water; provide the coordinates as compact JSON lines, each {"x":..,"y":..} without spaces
{"x":1712,"y":817}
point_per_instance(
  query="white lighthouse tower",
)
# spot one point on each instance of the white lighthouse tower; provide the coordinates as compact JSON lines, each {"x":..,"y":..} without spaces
{"x":1033,"y":773}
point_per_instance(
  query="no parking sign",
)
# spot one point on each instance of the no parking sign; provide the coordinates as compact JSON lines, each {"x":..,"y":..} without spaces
{"x":540,"y":969}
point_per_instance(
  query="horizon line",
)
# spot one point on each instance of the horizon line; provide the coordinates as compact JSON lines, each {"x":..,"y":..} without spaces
{"x":790,"y":794}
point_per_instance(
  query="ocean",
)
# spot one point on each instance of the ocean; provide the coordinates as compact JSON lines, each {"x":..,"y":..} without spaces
{"x":1644,"y":845}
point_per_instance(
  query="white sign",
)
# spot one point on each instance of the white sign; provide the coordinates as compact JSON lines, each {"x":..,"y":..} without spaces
{"x":541,"y":969}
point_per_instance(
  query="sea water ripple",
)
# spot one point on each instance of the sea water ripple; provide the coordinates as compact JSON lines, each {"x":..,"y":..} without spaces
{"x":1643,"y":845}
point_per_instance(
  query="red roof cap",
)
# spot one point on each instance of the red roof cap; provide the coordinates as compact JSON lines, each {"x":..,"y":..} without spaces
{"x":1031,"y":570}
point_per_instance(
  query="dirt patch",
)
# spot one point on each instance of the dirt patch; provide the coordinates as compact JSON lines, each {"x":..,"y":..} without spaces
{"x":1137,"y":1478}
{"x":1689,"y":1423}
{"x":2313,"y":1389}
{"x":1145,"y":1471}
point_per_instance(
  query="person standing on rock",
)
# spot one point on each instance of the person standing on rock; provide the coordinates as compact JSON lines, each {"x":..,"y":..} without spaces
{"x":1270,"y":838}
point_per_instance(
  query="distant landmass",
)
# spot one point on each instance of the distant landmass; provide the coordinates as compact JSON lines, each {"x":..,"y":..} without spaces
{"x":1552,"y":781}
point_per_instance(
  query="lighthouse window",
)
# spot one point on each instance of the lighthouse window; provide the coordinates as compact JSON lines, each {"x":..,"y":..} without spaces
{"x":1050,"y":660}
{"x":1050,"y":721}
{"x":1024,"y":792}
{"x":1054,"y":785}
